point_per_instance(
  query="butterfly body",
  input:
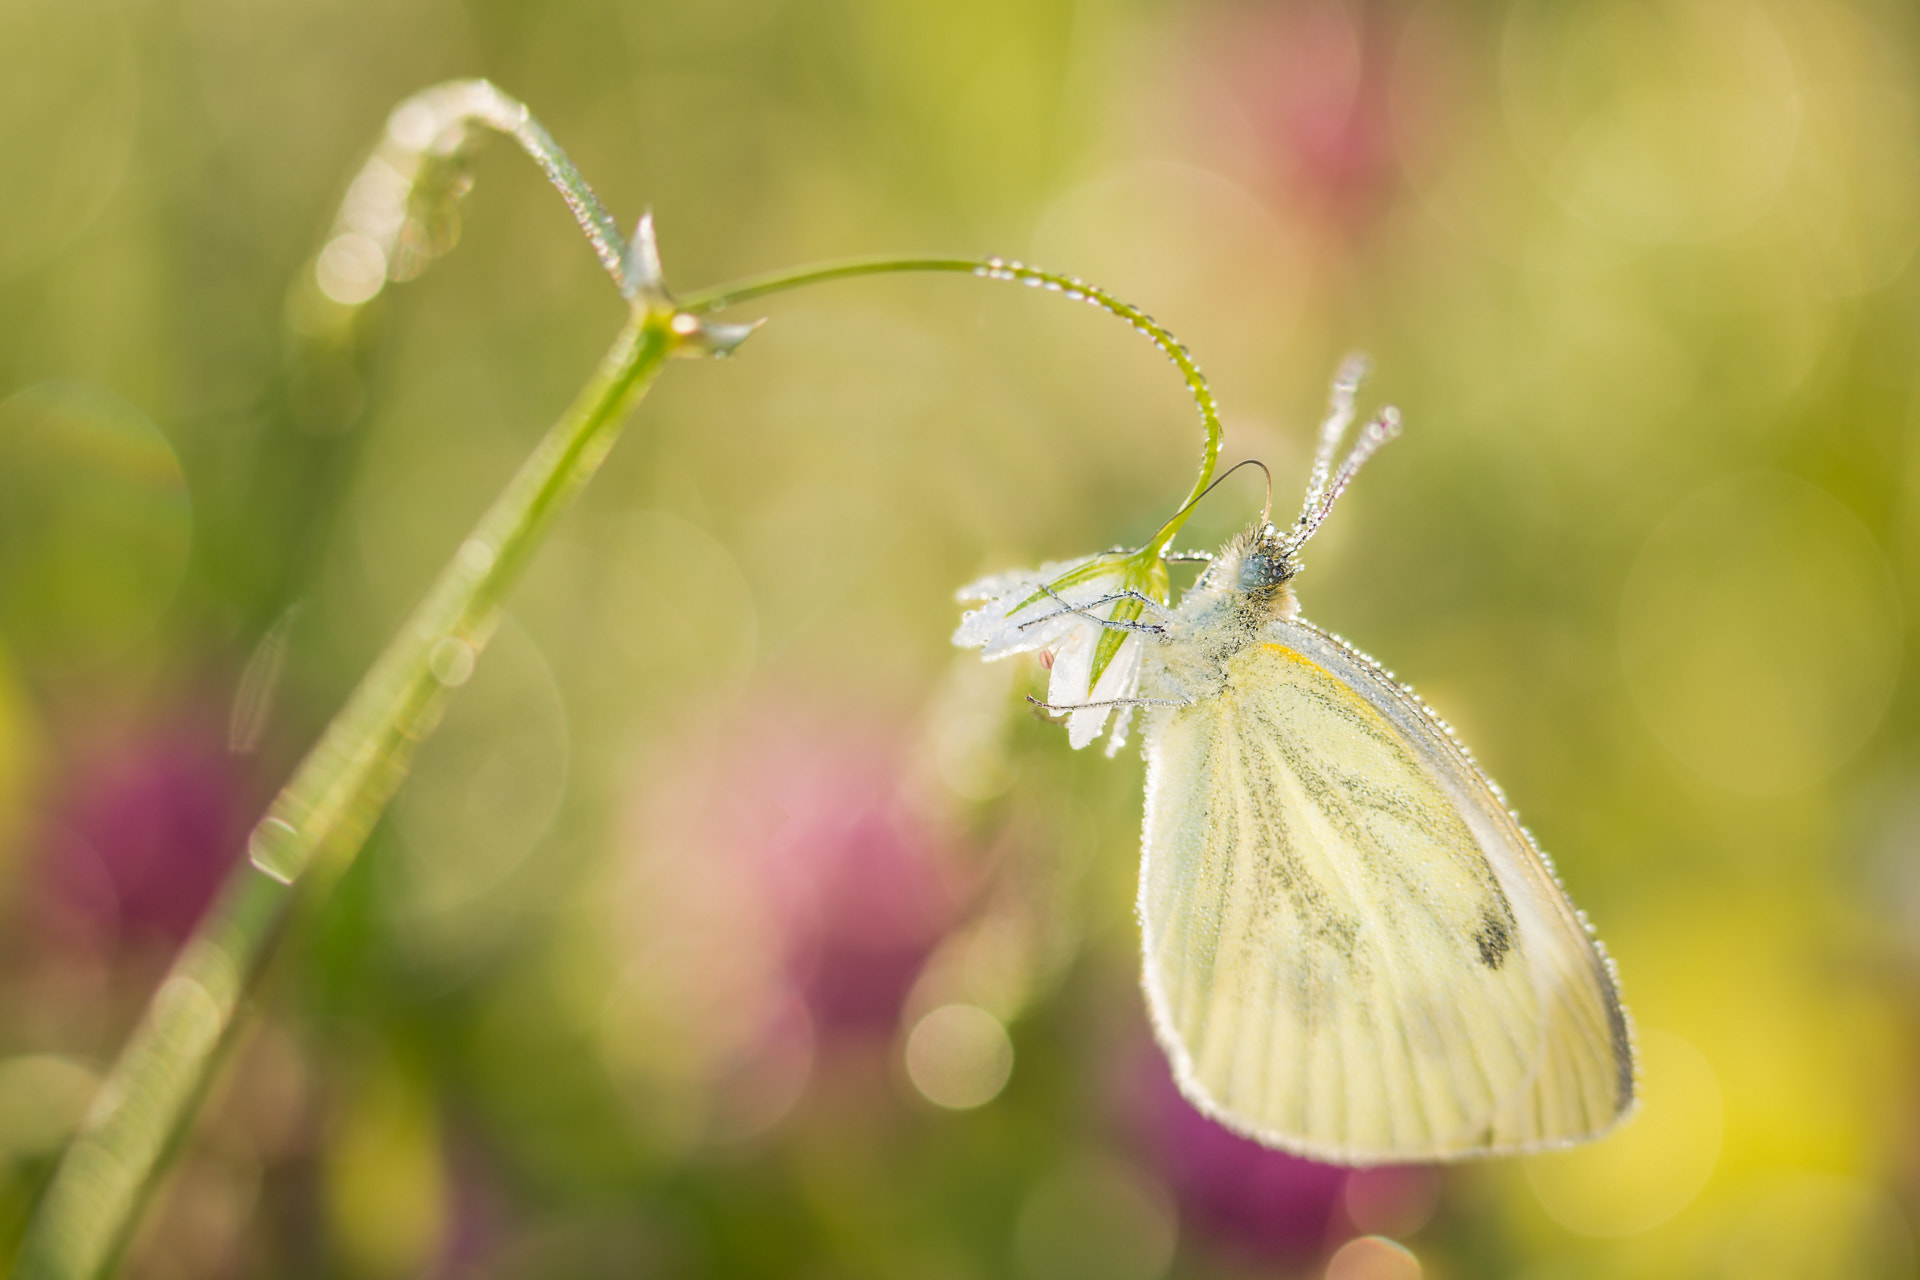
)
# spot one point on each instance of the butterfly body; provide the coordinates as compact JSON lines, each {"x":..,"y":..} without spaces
{"x":1353,"y":950}
{"x":1245,"y":587}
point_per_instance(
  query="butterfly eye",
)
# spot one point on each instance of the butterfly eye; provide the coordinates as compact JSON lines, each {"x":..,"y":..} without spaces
{"x":1264,"y":569}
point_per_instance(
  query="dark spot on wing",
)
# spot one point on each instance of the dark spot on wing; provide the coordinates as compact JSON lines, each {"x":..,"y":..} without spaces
{"x":1494,"y":939}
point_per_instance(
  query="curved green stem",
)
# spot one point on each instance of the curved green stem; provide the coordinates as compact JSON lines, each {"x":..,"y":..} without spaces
{"x":707,"y":300}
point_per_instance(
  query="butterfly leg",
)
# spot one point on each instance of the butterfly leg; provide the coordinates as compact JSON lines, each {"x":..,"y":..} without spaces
{"x":1066,"y":608}
{"x":1165,"y":611}
{"x":1111,"y":624}
{"x":1110,"y":702}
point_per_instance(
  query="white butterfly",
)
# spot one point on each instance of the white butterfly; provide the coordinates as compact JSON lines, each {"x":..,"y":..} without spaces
{"x":1354,"y":951}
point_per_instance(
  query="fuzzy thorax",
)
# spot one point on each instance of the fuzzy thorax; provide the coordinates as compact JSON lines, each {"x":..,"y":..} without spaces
{"x":1247,"y":586}
{"x":1251,"y":579}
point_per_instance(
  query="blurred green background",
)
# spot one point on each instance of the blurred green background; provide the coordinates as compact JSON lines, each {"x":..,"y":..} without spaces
{"x":734,"y":924}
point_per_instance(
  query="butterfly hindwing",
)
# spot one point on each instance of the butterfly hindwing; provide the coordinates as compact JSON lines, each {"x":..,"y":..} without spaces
{"x":1353,"y":950}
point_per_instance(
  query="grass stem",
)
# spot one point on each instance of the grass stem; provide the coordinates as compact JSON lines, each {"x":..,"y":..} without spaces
{"x":324,"y":814}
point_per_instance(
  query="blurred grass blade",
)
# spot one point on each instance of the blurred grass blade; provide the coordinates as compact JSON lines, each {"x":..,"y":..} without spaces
{"x":328,"y":808}
{"x":391,"y":223}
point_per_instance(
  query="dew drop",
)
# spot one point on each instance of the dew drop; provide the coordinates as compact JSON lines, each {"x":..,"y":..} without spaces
{"x":351,"y":269}
{"x":412,"y":125}
{"x":274,"y":847}
{"x":476,"y":556}
{"x":451,"y":661}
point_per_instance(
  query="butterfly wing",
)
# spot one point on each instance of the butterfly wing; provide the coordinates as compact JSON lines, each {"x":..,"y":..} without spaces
{"x":1353,"y":950}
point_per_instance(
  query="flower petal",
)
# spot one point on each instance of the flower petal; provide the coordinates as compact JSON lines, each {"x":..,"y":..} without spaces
{"x":1117,"y":682}
{"x":1034,"y":609}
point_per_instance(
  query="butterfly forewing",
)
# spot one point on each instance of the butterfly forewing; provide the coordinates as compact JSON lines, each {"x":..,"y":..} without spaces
{"x":1352,"y":950}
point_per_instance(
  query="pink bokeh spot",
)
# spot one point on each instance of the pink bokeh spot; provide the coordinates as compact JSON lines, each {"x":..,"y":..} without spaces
{"x":1311,"y":82}
{"x":1253,"y":1201}
{"x":810,"y":814}
{"x":1240,"y":1196}
{"x":144,"y":823}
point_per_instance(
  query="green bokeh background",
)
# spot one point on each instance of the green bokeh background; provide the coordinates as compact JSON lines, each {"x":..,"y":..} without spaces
{"x":625,"y":983}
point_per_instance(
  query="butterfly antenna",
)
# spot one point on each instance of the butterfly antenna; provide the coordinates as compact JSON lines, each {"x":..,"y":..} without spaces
{"x":1346,"y":383}
{"x":1265,"y":513}
{"x":1327,"y":483}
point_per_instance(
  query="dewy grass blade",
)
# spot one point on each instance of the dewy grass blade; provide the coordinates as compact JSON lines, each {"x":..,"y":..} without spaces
{"x":327,"y":809}
{"x":387,"y":230}
{"x":325,"y":812}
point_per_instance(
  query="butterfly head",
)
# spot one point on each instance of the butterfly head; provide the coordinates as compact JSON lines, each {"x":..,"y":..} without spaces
{"x":1252,"y":575}
{"x":1265,"y":563}
{"x":1255,"y":570}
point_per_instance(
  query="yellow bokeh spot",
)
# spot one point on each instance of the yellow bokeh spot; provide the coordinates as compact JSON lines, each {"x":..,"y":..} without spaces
{"x":1650,"y":1169}
{"x":385,"y":1184}
{"x":1760,"y":633}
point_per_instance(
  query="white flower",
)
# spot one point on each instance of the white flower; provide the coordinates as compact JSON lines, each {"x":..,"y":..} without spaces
{"x":1058,"y":609}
